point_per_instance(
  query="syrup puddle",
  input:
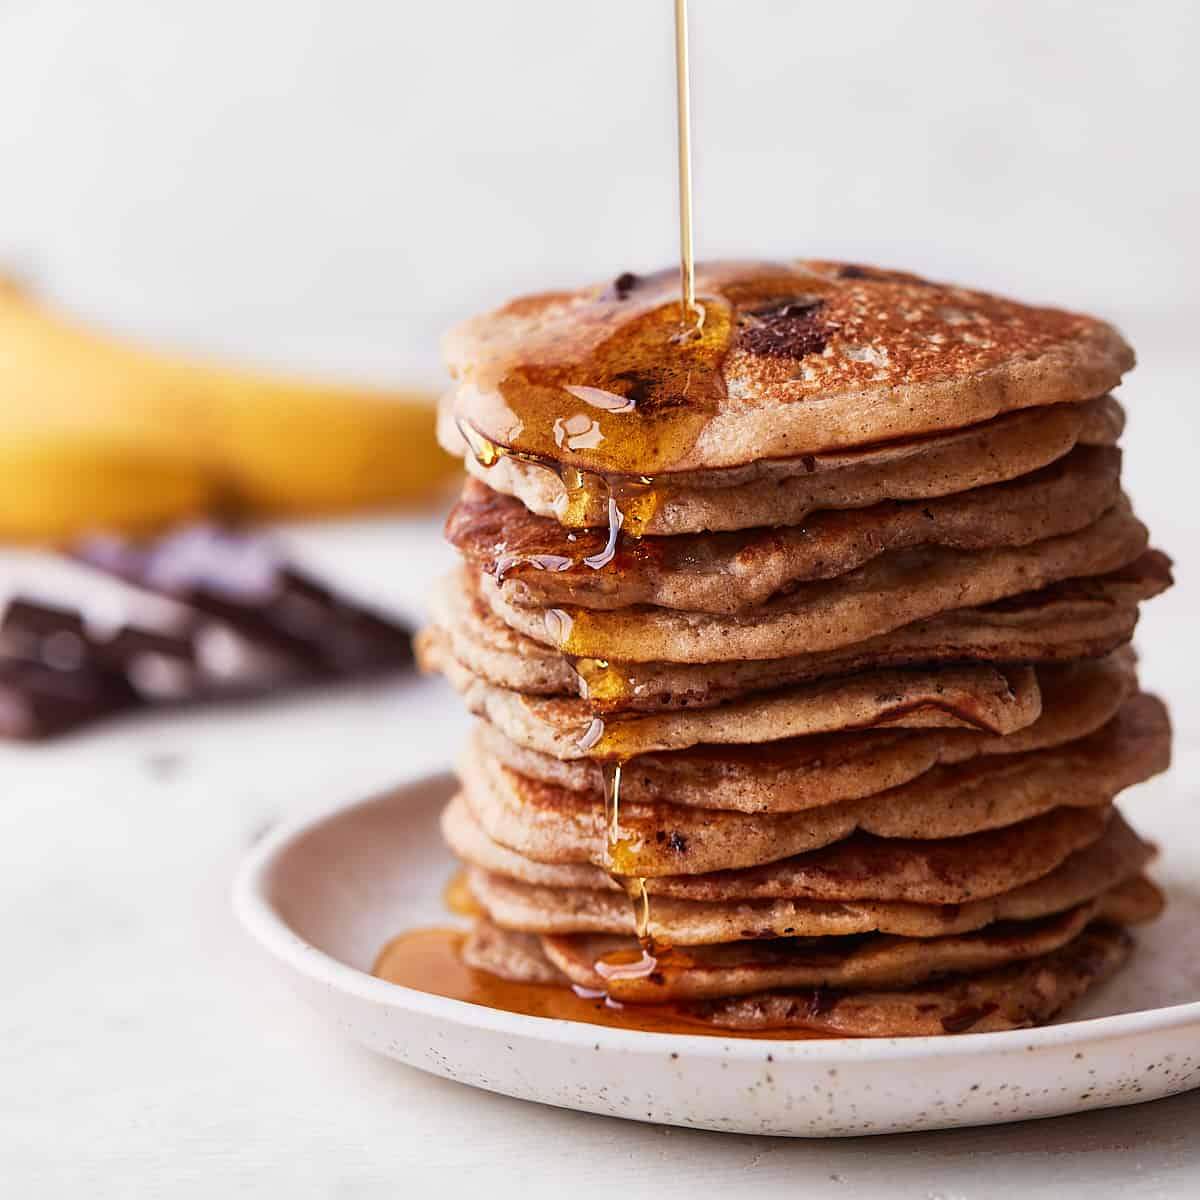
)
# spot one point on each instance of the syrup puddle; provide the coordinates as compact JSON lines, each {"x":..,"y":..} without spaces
{"x":430,"y":960}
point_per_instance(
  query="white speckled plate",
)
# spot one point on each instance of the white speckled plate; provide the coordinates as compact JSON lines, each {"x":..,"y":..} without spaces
{"x":323,"y":896}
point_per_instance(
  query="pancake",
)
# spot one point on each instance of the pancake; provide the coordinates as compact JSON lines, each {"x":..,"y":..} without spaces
{"x":793,"y":358}
{"x":551,"y":824}
{"x":887,"y":593}
{"x":1013,"y":997}
{"x":991,"y":699}
{"x":510,"y":955}
{"x":538,"y":564}
{"x":864,"y":961}
{"x":858,"y":868}
{"x":1117,"y":857}
{"x":807,"y":772}
{"x":1074,"y":619}
{"x":785,"y":491}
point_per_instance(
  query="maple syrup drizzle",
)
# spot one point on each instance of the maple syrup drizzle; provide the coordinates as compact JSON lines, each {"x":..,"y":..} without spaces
{"x":620,"y":436}
{"x":540,"y":562}
{"x":458,"y":897}
{"x":629,"y":503}
{"x":691,"y":314}
{"x":601,"y":683}
{"x":651,"y":386}
{"x":537,"y":401}
{"x":616,"y":518}
{"x":621,"y":853}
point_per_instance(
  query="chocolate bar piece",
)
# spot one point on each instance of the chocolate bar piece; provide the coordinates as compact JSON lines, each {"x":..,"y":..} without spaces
{"x":248,"y":624}
{"x":55,"y":675}
{"x":240,"y":581}
{"x":39,"y":702}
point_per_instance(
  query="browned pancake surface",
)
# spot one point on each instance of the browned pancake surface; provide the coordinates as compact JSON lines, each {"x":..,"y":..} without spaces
{"x":1012,"y":997}
{"x":793,"y":358}
{"x":807,"y":772}
{"x":1077,"y":618}
{"x":551,"y":824}
{"x":868,"y":961}
{"x":1118,"y":856}
{"x":786,"y":491}
{"x":862,"y":867}
{"x":966,"y":696}
{"x":540,"y":565}
{"x":1015,"y":997}
{"x":885,"y":594}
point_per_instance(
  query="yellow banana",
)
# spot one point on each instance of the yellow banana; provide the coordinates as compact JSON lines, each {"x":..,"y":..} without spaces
{"x":95,"y":433}
{"x":58,"y":489}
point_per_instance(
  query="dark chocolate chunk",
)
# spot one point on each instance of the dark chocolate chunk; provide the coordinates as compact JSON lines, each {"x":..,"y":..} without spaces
{"x":40,"y":702}
{"x":51,"y":678}
{"x":56,"y":674}
{"x":241,"y":581}
{"x":627,"y":282}
{"x":793,"y":329}
{"x":248,"y":624}
{"x":621,"y":286}
{"x":32,"y":621}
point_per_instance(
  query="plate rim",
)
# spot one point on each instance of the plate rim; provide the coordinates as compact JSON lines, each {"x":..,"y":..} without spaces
{"x":265,"y":924}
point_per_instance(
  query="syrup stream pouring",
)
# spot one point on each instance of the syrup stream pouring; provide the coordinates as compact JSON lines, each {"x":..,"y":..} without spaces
{"x":687,"y":266}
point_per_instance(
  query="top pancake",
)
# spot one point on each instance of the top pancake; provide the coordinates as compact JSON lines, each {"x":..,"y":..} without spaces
{"x":793,"y":358}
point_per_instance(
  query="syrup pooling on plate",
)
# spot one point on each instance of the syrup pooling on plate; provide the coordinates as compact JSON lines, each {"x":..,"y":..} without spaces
{"x":430,"y":960}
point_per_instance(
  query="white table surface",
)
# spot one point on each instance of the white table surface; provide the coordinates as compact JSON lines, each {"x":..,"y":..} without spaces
{"x":146,"y":1050}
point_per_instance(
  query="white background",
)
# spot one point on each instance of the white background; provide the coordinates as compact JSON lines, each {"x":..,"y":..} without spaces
{"x":327,"y":185}
{"x":332,"y":183}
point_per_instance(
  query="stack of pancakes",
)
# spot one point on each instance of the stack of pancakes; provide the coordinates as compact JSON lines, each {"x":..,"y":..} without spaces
{"x":800,"y":647}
